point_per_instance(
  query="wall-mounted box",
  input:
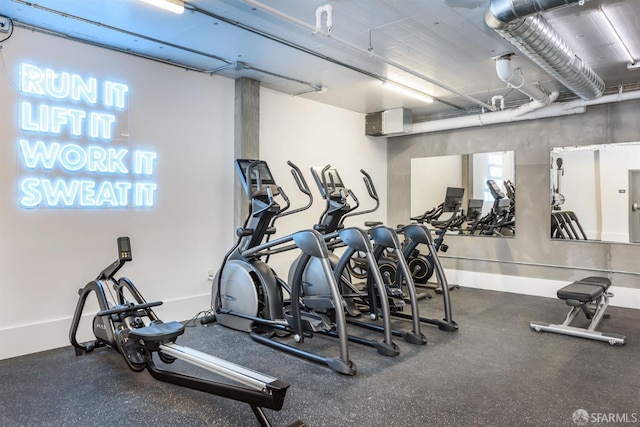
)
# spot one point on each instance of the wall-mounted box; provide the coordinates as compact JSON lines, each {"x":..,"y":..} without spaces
{"x":397,"y":121}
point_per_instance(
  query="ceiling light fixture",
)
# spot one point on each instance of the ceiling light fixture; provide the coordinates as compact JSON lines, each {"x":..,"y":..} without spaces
{"x":613,"y":30}
{"x":407,"y":91}
{"x":175,"y":6}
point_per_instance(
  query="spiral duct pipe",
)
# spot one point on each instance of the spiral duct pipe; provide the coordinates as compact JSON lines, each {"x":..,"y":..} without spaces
{"x":519,"y":22}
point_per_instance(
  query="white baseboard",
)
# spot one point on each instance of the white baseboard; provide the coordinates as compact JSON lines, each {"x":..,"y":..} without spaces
{"x":623,"y":297}
{"x":40,"y":336}
{"x":46,"y":335}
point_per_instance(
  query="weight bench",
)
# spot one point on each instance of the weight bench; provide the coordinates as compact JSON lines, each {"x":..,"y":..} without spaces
{"x":589,"y":295}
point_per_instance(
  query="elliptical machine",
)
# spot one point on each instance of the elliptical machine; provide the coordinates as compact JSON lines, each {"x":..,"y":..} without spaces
{"x":500,"y":221}
{"x":135,"y":331}
{"x":423,"y":266}
{"x":381,"y":297}
{"x":247,"y":294}
{"x":405,"y":262}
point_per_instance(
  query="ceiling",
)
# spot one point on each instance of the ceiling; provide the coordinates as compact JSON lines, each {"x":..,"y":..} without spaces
{"x":442,"y":48}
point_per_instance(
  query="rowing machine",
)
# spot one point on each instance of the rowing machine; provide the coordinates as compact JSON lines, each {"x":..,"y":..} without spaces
{"x":134,"y":330}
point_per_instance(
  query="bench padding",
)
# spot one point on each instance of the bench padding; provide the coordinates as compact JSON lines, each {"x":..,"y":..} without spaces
{"x":585,"y":290}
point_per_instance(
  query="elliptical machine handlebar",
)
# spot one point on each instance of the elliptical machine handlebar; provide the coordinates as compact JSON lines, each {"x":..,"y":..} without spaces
{"x":325,"y":188}
{"x":338,"y":186}
{"x":302,"y":186}
{"x":297,"y":175}
{"x":271,"y":201}
{"x":258,"y":185}
{"x":371,"y":189}
{"x":368,"y":182}
{"x":355,"y":200}
{"x":429,"y":214}
{"x":287,"y":204}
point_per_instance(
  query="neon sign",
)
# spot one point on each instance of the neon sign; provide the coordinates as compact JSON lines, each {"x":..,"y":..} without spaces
{"x":74,"y":148}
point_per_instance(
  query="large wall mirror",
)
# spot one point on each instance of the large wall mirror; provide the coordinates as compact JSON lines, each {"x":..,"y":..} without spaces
{"x":595,"y":192}
{"x":488,"y":180}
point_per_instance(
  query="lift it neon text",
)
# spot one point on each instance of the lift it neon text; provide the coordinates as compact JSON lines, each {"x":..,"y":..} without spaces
{"x":74,"y":146}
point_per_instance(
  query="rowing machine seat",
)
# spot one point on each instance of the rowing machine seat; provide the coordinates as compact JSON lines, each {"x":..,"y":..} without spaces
{"x":157,"y":332}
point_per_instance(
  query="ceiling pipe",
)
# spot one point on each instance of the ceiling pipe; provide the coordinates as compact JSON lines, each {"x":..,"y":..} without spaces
{"x":534,"y":105}
{"x":389,"y":62}
{"x":520,"y":23}
{"x":521,"y":113}
{"x":515,"y":79}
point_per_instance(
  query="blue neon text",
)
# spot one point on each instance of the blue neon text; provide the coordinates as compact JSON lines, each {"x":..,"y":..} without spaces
{"x":68,"y":124}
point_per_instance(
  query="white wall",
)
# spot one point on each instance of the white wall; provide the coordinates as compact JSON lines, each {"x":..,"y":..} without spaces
{"x":579,"y":187}
{"x":46,"y":255}
{"x":430,"y":177}
{"x":310,"y":134}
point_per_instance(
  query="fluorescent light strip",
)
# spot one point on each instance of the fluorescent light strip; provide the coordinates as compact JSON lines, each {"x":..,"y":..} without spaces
{"x":407,"y":91}
{"x":613,"y":30}
{"x":175,"y":6}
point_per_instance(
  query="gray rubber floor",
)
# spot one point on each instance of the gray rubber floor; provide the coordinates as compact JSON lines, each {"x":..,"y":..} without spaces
{"x":494,"y":371}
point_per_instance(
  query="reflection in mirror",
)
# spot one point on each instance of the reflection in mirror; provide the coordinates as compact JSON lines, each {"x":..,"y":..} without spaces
{"x":488,"y":206}
{"x":595,"y":192}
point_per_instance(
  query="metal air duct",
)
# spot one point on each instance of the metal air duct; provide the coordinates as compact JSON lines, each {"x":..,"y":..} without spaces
{"x":535,"y":38}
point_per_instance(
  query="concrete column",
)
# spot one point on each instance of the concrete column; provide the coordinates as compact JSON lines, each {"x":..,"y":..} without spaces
{"x":246,"y":137}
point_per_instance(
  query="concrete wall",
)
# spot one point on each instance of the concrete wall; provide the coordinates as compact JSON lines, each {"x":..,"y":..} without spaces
{"x":531,"y":254}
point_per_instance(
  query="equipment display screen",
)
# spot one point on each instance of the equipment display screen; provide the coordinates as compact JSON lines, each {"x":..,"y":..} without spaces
{"x":124,"y":248}
{"x":266,"y":178}
{"x":475,"y":204}
{"x":453,"y":199}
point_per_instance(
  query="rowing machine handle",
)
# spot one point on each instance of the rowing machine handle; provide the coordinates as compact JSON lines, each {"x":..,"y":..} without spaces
{"x":118,"y":310}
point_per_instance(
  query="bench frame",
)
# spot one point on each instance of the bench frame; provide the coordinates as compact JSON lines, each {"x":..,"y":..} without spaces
{"x":593,"y":309}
